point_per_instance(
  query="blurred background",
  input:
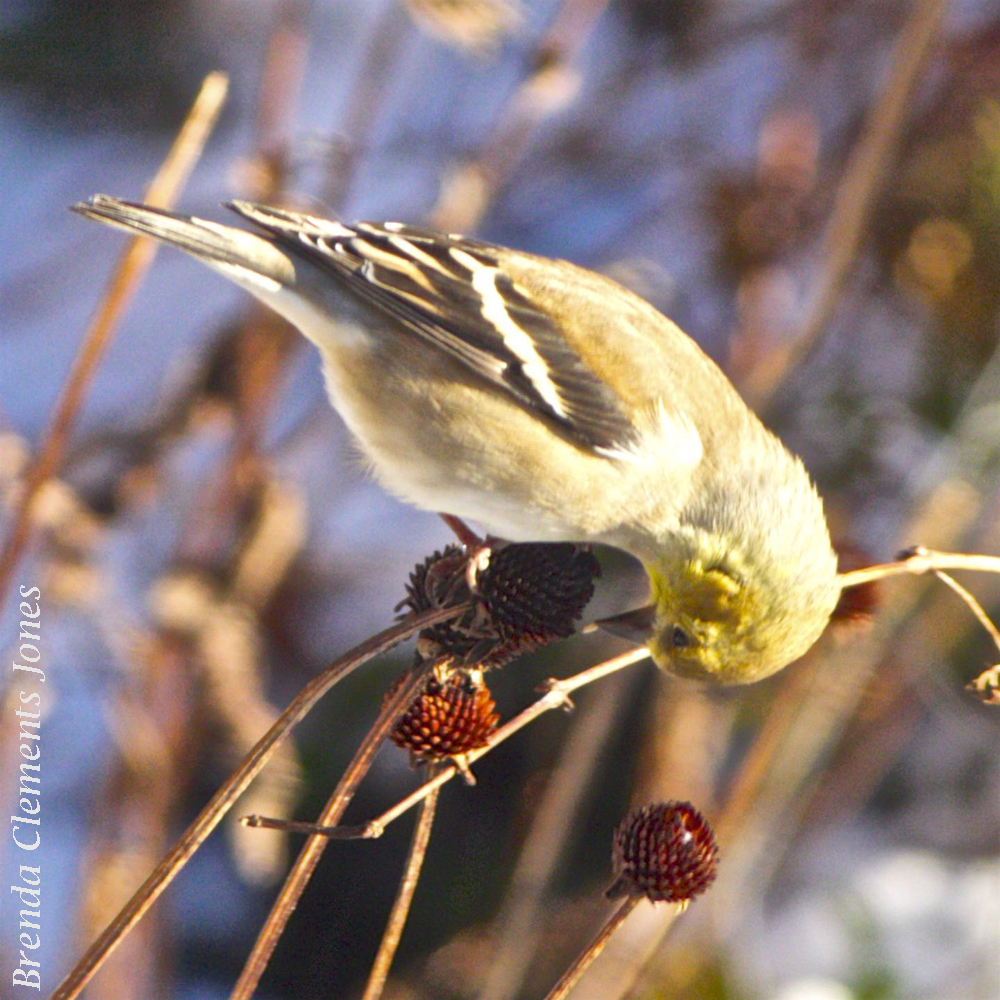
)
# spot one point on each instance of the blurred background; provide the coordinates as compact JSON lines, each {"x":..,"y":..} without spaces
{"x":811,"y":188}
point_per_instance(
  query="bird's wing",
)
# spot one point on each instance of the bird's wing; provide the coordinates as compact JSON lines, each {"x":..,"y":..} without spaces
{"x":455,"y":294}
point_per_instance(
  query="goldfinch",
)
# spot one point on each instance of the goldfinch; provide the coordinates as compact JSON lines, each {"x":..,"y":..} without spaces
{"x":545,"y":402}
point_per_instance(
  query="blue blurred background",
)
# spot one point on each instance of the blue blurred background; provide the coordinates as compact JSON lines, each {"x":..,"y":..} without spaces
{"x":211,"y":540}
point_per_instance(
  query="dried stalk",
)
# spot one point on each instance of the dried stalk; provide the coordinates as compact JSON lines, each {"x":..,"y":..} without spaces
{"x":974,"y":606}
{"x":247,"y":714}
{"x":556,"y":696}
{"x":264,"y":341}
{"x":280,"y":86}
{"x":132,"y":266}
{"x":404,"y":897}
{"x":917,"y":561}
{"x":466,"y":195}
{"x":230,"y":791}
{"x":298,"y":878}
{"x":855,"y":197}
{"x":546,"y":843}
{"x":382,"y":53}
{"x":569,"y":978}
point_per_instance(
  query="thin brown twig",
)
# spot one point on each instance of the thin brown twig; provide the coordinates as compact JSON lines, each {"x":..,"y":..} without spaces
{"x":371,"y":84}
{"x":132,"y":266}
{"x":557,"y":50}
{"x":755,"y":766}
{"x":756,"y":825}
{"x":230,"y":790}
{"x":917,"y":561}
{"x":298,"y":878}
{"x":855,"y":196}
{"x":263,"y":343}
{"x":974,"y":606}
{"x":550,"y":84}
{"x":546,"y":843}
{"x":582,"y":962}
{"x":404,"y":897}
{"x":280,"y":86}
{"x":556,"y":696}
{"x":248,"y":714}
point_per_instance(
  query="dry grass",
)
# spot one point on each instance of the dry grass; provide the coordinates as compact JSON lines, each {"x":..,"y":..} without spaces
{"x":802,"y":753}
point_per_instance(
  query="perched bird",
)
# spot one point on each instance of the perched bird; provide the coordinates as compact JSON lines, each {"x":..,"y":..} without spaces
{"x":545,"y":402}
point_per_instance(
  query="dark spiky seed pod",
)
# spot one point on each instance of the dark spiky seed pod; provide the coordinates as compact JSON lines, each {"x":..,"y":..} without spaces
{"x":525,"y":597}
{"x":436,"y":582}
{"x":536,"y":592}
{"x":665,"y":852}
{"x":452,"y":716}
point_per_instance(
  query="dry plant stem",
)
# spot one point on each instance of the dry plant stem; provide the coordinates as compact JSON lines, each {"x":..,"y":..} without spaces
{"x":505,"y":148}
{"x":371,"y":83}
{"x":557,"y":812}
{"x":856,"y":194}
{"x":562,"y":43}
{"x":264,"y":341}
{"x":281,"y":82}
{"x":918,"y":561}
{"x":298,"y":878}
{"x":149,"y":804}
{"x":556,"y":696}
{"x":569,"y":978}
{"x":974,"y":606}
{"x":767,"y":743}
{"x":132,"y":265}
{"x":401,"y":907}
{"x":361,"y":832}
{"x":229,"y":792}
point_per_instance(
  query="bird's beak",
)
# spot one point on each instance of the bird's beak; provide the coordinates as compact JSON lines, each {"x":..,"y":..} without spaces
{"x":636,"y":625}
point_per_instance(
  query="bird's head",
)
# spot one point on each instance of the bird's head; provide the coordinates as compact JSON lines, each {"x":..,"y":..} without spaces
{"x":728,"y":621}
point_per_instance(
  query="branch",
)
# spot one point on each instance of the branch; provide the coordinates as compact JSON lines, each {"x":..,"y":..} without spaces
{"x":401,"y":907}
{"x":132,"y":266}
{"x":229,"y":792}
{"x":917,"y":561}
{"x":556,"y":696}
{"x":583,"y":961}
{"x":298,"y":878}
{"x":862,"y":181}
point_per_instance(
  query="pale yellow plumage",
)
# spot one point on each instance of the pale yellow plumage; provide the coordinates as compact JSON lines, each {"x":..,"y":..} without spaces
{"x":546,"y":402}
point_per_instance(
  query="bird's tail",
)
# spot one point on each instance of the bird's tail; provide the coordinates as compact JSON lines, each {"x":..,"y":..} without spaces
{"x":250,"y":260}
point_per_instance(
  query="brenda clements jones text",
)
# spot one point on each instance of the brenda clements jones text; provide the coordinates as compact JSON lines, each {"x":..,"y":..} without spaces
{"x":26,"y":825}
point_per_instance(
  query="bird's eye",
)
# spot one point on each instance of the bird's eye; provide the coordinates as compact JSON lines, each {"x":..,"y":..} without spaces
{"x":679,"y":639}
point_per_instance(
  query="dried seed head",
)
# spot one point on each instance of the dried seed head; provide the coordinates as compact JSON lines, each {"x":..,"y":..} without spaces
{"x":536,"y":592}
{"x":665,"y":852}
{"x":522,"y":597}
{"x":452,"y":716}
{"x":437,"y":582}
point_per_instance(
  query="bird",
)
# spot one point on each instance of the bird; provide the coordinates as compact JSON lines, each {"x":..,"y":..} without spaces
{"x":545,"y":402}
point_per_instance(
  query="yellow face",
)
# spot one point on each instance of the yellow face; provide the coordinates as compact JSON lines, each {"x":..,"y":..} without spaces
{"x":711,"y":625}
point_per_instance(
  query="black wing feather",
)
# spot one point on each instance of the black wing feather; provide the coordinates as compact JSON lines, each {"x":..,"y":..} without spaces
{"x":439,"y":302}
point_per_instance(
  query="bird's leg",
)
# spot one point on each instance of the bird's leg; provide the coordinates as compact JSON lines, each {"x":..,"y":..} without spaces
{"x":463,"y":532}
{"x":477,"y":550}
